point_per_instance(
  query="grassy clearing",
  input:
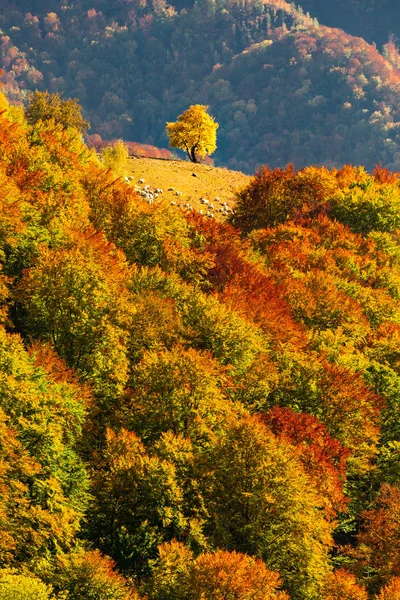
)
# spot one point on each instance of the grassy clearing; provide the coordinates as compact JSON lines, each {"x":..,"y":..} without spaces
{"x":208,"y":182}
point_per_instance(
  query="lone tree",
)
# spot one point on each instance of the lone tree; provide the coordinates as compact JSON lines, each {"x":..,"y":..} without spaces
{"x":194,"y":131}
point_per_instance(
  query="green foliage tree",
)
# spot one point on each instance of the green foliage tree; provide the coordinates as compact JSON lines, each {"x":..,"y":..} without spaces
{"x":43,"y":482}
{"x":179,"y":391}
{"x":261,"y":503}
{"x":78,"y":300}
{"x":137,"y":502}
{"x":171,"y":570}
{"x":44,"y":106}
{"x":14,"y":586}
{"x":368,"y":207}
{"x":195,"y":131}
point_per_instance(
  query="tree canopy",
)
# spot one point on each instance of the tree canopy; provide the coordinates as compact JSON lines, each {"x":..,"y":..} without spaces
{"x":195,"y":131}
{"x":191,"y":407}
{"x":44,"y":106}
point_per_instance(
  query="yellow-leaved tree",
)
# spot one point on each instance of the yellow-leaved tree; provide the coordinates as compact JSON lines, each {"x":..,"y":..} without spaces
{"x":115,"y":157}
{"x":194,"y":131}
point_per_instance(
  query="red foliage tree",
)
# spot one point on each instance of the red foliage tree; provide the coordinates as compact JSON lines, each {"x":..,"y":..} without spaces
{"x":323,"y":457}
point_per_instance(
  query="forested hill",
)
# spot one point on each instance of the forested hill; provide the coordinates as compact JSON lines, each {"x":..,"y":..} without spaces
{"x":374,"y":20}
{"x":282,"y":86}
{"x":193,"y":408}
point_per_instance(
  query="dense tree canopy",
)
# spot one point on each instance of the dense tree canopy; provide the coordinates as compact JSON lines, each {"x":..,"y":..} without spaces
{"x":15,"y":587}
{"x":44,"y":106}
{"x":193,"y":408}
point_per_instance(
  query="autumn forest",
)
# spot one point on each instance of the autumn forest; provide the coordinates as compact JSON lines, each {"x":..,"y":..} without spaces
{"x":193,"y":408}
{"x":196,"y":407}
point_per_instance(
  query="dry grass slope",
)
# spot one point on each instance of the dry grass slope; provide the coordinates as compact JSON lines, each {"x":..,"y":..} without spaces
{"x":195,"y":181}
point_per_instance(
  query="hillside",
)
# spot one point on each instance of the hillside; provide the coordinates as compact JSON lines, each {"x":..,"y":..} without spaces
{"x":193,"y":408}
{"x":372,"y":20}
{"x":209,"y":182}
{"x":313,"y":94}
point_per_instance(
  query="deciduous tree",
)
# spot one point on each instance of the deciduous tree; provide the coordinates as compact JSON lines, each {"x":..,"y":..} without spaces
{"x":262,"y":503}
{"x":178,"y":390}
{"x":77,"y":298}
{"x":15,"y":586}
{"x":115,"y":157}
{"x":137,"y":503}
{"x":377,"y":556}
{"x":342,"y":585}
{"x":43,"y":482}
{"x":195,"y":131}
{"x":216,"y":575}
{"x":91,"y":575}
{"x":391,"y":591}
{"x":44,"y":106}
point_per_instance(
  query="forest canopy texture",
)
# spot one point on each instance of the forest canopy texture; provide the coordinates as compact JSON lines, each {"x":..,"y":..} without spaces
{"x":284,"y":86}
{"x":189,"y":408}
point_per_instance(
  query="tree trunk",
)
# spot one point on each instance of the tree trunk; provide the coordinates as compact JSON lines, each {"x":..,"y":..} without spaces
{"x":192,"y":155}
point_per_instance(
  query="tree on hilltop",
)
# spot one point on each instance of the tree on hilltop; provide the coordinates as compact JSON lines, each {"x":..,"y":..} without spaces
{"x":194,"y":131}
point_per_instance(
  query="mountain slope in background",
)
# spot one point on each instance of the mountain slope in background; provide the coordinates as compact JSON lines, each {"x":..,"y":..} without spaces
{"x":373,"y":20}
{"x":310,"y":96}
{"x":283,"y":88}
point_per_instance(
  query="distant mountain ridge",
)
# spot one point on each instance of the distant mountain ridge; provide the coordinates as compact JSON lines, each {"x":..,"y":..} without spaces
{"x":370,"y":19}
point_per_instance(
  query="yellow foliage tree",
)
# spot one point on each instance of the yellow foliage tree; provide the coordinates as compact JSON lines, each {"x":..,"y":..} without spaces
{"x":22,"y":587}
{"x":194,"y":131}
{"x":115,"y":157}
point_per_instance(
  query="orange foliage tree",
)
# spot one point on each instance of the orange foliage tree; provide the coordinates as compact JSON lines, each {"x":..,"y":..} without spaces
{"x":274,"y":196}
{"x":391,"y":591}
{"x":92,"y":575}
{"x":342,"y":584}
{"x":212,"y":575}
{"x":376,"y":557}
{"x":323,"y":457}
